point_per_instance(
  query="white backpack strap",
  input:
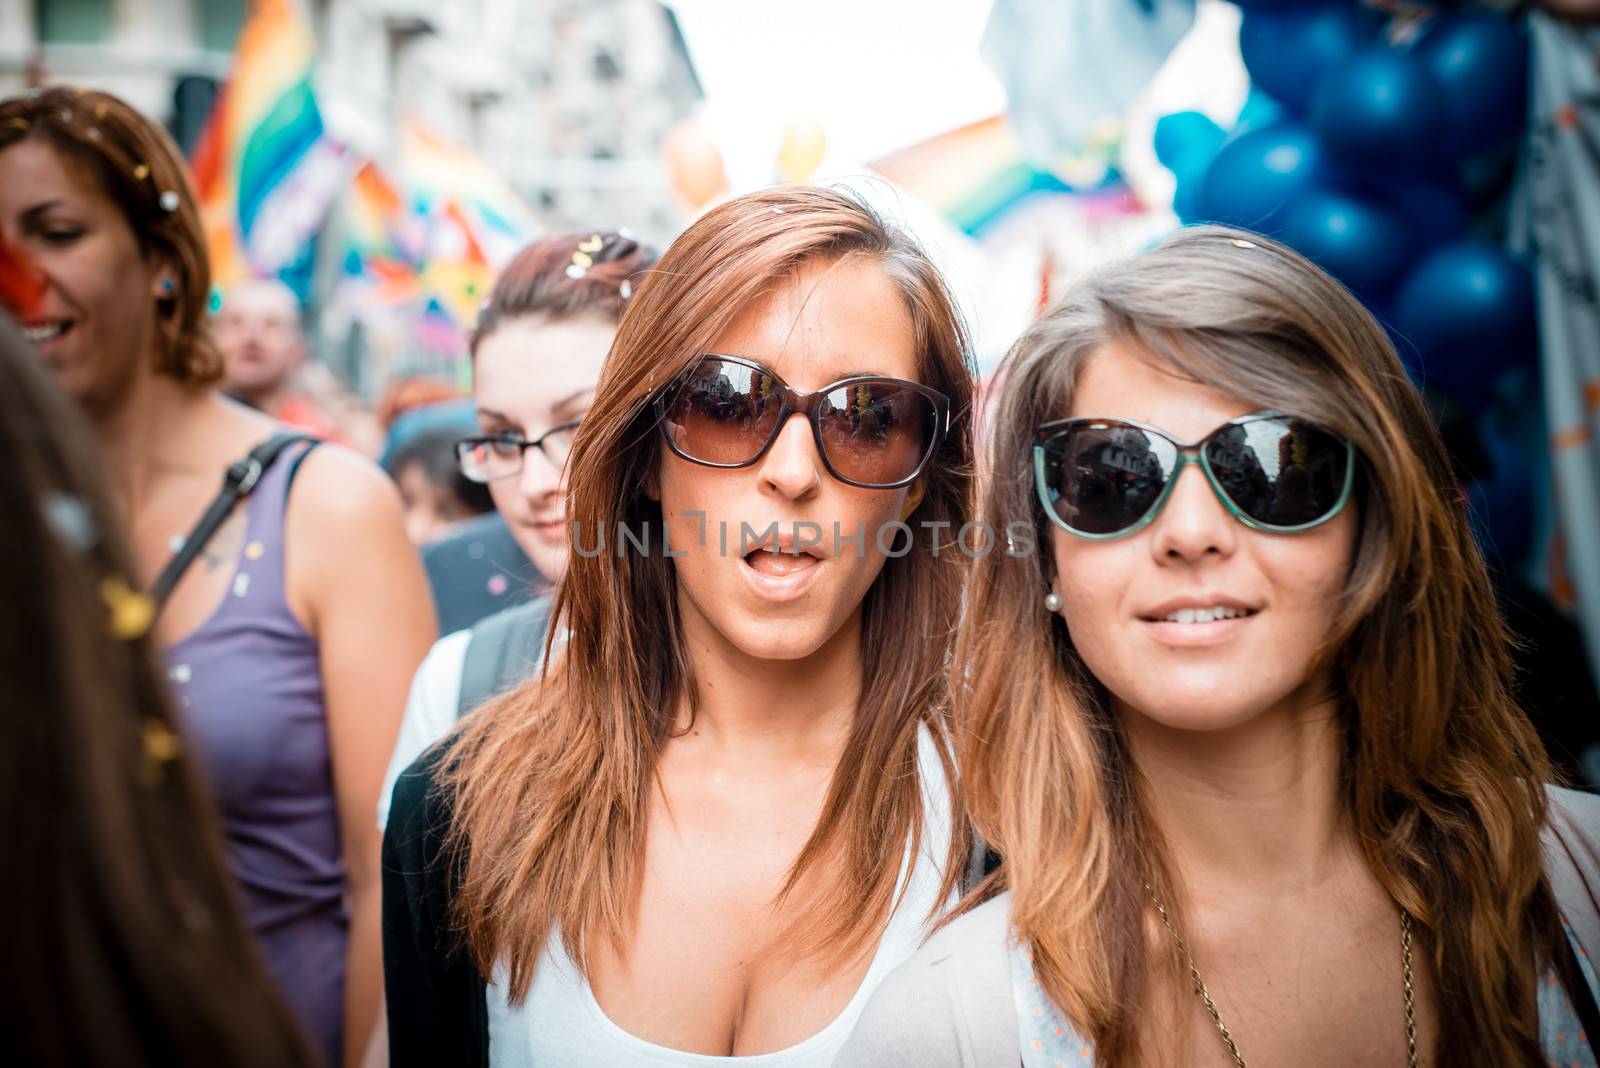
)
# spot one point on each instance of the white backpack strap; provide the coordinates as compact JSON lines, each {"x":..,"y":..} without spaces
{"x":1572,"y":863}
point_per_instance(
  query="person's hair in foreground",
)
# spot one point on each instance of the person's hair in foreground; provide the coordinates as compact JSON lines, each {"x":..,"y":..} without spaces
{"x":550,"y":785}
{"x":123,"y":942}
{"x":1442,"y":777}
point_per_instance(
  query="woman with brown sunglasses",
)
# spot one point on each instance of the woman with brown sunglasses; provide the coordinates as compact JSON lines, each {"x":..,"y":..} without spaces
{"x":723,"y":814}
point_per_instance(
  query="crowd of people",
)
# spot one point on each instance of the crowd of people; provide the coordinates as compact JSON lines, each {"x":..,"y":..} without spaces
{"x":783,"y":715}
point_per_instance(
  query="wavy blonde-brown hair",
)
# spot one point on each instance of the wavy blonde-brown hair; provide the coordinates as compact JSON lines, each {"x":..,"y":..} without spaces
{"x":550,"y":785}
{"x":1442,"y":775}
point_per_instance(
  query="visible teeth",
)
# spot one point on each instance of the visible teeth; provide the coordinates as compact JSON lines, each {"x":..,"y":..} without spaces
{"x":36,"y":334}
{"x":1203,"y":615}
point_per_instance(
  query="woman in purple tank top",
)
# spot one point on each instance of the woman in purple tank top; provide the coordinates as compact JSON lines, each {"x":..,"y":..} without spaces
{"x":292,"y":638}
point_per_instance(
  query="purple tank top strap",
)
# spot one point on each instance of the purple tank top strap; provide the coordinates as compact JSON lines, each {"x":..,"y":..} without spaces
{"x":259,"y":582}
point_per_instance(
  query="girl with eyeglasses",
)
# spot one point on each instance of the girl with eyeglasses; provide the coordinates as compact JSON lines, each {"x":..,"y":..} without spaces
{"x":1240,"y":726}
{"x":536,"y":354}
{"x":723,"y":815}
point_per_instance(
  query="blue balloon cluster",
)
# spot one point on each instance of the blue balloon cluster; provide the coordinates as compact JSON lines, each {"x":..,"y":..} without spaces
{"x":1355,"y":151}
{"x":1366,"y":156}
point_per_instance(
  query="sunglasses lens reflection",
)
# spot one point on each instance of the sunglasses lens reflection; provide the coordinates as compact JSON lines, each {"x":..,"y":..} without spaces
{"x":1104,"y":478}
{"x":724,"y":413}
{"x":877,"y":433}
{"x":1280,"y":472}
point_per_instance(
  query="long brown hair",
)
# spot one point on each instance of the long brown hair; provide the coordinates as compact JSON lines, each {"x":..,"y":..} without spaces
{"x":130,"y":159}
{"x":551,"y":784}
{"x":123,"y":941}
{"x":1443,"y":776}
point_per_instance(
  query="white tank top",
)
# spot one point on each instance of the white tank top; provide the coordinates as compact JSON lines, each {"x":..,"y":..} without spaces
{"x":561,"y":1024}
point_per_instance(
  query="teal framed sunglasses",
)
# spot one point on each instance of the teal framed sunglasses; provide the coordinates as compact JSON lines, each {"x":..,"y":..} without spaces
{"x":1107,"y":478}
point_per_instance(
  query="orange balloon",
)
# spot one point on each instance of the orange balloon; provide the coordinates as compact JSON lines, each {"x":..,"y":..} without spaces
{"x":804,"y":145}
{"x":694,"y":164}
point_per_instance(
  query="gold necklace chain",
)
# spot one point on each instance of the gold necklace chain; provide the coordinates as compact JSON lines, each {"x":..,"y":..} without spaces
{"x":1222,"y":1028}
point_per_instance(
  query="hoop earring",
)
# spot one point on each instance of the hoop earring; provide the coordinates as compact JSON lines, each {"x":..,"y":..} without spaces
{"x":1052,"y":601}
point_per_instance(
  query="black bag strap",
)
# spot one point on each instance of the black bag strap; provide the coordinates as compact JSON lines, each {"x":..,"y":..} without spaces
{"x":237,"y":483}
{"x":504,"y":649}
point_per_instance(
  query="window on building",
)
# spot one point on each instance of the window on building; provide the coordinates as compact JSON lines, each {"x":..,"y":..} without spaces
{"x":72,"y":21}
{"x":220,"y":22}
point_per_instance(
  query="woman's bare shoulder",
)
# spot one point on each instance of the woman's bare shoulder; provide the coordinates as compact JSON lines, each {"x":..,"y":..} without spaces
{"x":949,"y":1004}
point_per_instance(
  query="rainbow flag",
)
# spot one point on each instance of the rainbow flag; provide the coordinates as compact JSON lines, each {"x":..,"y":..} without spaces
{"x":472,"y":219}
{"x":383,"y":243}
{"x":976,"y":174}
{"x":425,"y":246}
{"x":265,"y":169}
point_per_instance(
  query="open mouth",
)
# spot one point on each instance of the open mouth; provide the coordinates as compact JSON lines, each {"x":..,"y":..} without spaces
{"x":768,"y":560}
{"x":41,"y":332}
{"x":781,"y":568}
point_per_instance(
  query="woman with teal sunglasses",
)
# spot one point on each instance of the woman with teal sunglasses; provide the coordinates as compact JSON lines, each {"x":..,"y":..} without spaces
{"x":1241,"y":737}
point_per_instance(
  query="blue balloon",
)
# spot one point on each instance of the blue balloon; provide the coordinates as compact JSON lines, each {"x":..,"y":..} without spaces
{"x":1363,"y":245}
{"x":1260,"y":110}
{"x":1382,"y":108}
{"x":1434,"y":207}
{"x":1259,"y":173}
{"x":1187,"y":136}
{"x":1481,"y":62}
{"x":1437,"y":210}
{"x":1288,"y":49}
{"x":1501,"y":503}
{"x":1468,"y":308}
{"x":1188,"y":199}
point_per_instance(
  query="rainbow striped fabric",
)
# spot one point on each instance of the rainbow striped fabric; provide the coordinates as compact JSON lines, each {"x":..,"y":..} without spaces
{"x":383,"y":243}
{"x":473,"y":220}
{"x":265,"y":169}
{"x":978,"y":173}
{"x":432,"y":240}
